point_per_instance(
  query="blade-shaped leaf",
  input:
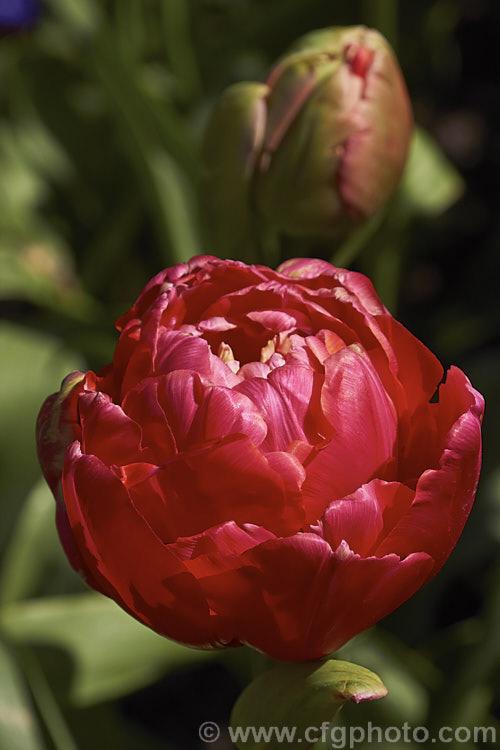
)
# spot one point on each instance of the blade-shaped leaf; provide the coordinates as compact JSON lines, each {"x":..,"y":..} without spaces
{"x":112,"y":653}
{"x":18,"y":724}
{"x":430,"y":183}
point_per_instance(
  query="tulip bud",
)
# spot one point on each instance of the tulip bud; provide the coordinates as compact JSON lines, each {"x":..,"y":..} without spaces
{"x":317,"y":148}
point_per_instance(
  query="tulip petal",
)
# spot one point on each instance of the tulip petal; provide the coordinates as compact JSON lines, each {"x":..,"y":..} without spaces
{"x":225,"y":412}
{"x":355,"y":519}
{"x":363,"y":422}
{"x":228,"y":481}
{"x":444,"y":496}
{"x":273,"y":320}
{"x":142,"y":404}
{"x":296,"y":599}
{"x":418,"y":370}
{"x":108,"y":432}
{"x":283,"y":399}
{"x":120,"y":550}
{"x":219,"y":549}
{"x":361,"y":518}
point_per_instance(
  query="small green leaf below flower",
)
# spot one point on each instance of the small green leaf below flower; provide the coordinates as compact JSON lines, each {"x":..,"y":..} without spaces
{"x":301,"y":696}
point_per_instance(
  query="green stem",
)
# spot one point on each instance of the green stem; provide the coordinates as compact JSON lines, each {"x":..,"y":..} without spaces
{"x":349,"y":251}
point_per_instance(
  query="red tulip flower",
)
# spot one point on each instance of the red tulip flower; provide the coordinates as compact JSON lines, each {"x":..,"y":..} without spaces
{"x":263,"y":462}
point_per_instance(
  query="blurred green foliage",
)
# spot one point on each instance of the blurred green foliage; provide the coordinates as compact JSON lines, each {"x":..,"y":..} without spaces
{"x":102,"y":108}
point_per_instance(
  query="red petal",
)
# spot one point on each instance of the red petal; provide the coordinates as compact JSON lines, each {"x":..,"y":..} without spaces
{"x":295,"y":599}
{"x":228,"y":539}
{"x":121,"y":552}
{"x":230,"y":481}
{"x":108,"y":432}
{"x":418,"y":370}
{"x":143,"y":406}
{"x":444,"y":496}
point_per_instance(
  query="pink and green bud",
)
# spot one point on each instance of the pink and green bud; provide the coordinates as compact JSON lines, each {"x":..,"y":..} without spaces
{"x":318,"y":148}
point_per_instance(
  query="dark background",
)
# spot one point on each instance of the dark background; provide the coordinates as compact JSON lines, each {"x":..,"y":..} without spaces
{"x":102,"y":109}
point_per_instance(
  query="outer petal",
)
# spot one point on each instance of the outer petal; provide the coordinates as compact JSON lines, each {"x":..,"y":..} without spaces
{"x":296,"y":599}
{"x":418,"y":370}
{"x":444,"y":496}
{"x":129,"y":563}
{"x":57,"y":427}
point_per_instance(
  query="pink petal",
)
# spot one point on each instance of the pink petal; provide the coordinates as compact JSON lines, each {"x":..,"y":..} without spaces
{"x":215,"y":324}
{"x":283,"y":400}
{"x":355,"y":519}
{"x":180,"y":394}
{"x":363,"y":422}
{"x":363,"y":517}
{"x":306,"y":268}
{"x":178,"y":351}
{"x":228,"y":412}
{"x":254,"y":370}
{"x":273,"y":320}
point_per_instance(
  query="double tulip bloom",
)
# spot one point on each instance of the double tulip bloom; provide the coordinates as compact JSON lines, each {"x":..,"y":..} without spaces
{"x":265,"y":461}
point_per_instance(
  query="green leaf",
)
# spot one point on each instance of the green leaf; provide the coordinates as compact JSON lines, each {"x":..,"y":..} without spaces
{"x":33,"y":366}
{"x":112,"y":653}
{"x":407,"y":674}
{"x":180,"y":48}
{"x":153,"y":136}
{"x":38,"y":272}
{"x":430,"y":184}
{"x":301,"y":695}
{"x":18,"y":724}
{"x":82,"y":18}
{"x":33,"y":545}
{"x":46,"y":703}
{"x":177,"y":201}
